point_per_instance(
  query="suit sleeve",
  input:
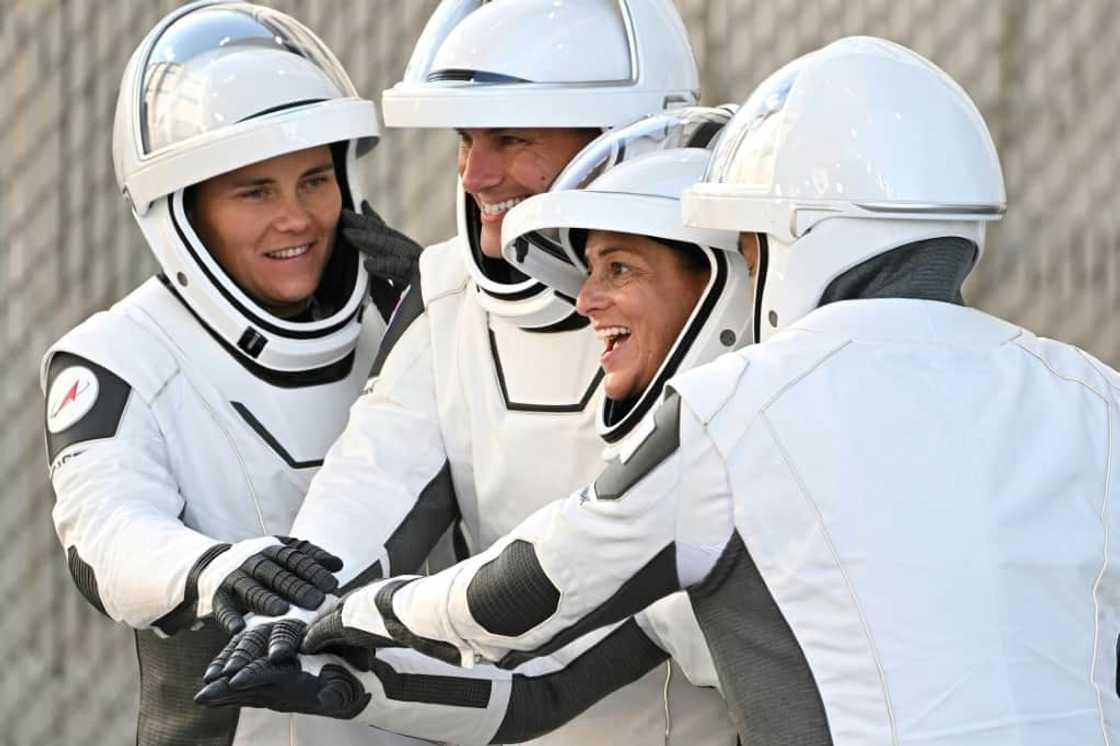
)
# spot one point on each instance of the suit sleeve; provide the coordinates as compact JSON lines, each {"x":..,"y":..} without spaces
{"x":384,"y":496}
{"x":117,"y":506}
{"x":422,"y":697}
{"x":653,"y":523}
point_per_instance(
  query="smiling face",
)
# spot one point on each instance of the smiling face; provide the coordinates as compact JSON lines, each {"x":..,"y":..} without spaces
{"x":271,"y":225}
{"x":638,"y":295}
{"x":501,"y":167}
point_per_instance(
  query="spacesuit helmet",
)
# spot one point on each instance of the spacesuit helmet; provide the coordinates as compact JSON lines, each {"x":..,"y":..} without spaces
{"x":630,"y":180}
{"x":851,"y":151}
{"x":539,"y":63}
{"x":215,"y":86}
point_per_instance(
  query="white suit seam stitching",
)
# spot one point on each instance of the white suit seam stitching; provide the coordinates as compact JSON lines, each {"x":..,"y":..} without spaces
{"x":803,"y":489}
{"x":1104,"y":511}
{"x":780,"y":392}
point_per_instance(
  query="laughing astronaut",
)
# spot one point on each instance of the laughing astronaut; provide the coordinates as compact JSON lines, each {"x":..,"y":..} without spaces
{"x":184,"y":424}
{"x":483,"y":364}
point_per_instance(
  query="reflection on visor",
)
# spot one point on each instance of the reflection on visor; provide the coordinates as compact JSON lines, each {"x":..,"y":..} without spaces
{"x":201,"y":46}
{"x":692,"y":127}
{"x":744,"y":152}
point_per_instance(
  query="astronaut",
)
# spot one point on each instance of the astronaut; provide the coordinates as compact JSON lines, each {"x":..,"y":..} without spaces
{"x":483,"y":365}
{"x":184,"y":424}
{"x":609,"y":233}
{"x":892,"y":514}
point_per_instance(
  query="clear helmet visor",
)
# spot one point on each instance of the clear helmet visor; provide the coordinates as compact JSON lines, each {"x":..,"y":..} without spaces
{"x":744,"y":153}
{"x":204,"y":72}
{"x":555,"y":256}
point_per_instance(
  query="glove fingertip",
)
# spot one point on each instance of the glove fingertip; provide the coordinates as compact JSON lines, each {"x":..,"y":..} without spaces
{"x":211,"y":693}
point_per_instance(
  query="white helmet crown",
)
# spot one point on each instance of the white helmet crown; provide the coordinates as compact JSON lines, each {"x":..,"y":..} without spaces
{"x":848,"y":152}
{"x":215,"y":86}
{"x":545,"y":63}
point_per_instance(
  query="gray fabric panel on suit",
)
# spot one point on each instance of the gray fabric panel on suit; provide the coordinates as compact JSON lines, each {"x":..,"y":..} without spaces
{"x":435,"y":509}
{"x":539,"y":704}
{"x":618,"y":477}
{"x":656,"y":579}
{"x":511,"y":593}
{"x":84,"y":578}
{"x":766,"y":680}
{"x":170,"y":673}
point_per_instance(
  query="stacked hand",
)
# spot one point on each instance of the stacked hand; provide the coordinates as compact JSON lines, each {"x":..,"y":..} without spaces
{"x":264,"y":576}
{"x":261,"y":667}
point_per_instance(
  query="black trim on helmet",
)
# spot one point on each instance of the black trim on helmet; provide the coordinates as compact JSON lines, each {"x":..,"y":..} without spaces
{"x":760,"y":285}
{"x":496,"y":270}
{"x":570,"y":323}
{"x":624,"y":420}
{"x":331,"y":373}
{"x":246,"y":312}
{"x":281,"y":107}
{"x":471,"y":76}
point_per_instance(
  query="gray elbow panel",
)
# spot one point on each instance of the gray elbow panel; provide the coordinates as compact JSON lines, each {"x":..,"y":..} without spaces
{"x":539,"y":704}
{"x":511,"y":593}
{"x":85,"y":579}
{"x":657,"y":578}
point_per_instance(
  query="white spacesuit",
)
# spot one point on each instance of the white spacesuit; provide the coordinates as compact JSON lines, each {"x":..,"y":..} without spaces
{"x":627,"y":181}
{"x":484,"y":364}
{"x":892,"y":515}
{"x":186,"y":422}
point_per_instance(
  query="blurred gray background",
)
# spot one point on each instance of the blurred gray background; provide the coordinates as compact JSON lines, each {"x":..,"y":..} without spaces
{"x":1044,"y":73}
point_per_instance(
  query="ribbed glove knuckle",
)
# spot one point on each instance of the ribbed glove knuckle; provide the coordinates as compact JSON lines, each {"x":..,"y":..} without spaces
{"x":283,"y":643}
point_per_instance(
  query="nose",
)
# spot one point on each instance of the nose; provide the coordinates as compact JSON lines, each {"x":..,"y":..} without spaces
{"x":293,"y":216}
{"x":480,"y":167}
{"x":591,"y":298}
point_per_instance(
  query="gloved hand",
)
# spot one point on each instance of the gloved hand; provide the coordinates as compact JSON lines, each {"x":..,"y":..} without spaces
{"x":279,"y":642}
{"x":262,"y":576}
{"x":388,"y":253}
{"x":315,"y":686}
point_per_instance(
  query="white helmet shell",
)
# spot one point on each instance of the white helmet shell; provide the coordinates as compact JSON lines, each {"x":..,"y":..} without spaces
{"x":637,"y":194}
{"x":846,"y":153}
{"x":540,"y":63}
{"x":545,"y":63}
{"x":213,"y":87}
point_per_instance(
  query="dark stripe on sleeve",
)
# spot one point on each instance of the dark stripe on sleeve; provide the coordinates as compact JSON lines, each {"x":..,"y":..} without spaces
{"x":413,"y":540}
{"x":665,"y":439}
{"x":452,"y":691}
{"x":539,"y":704}
{"x":99,"y":422}
{"x":438,"y":649}
{"x":184,"y":615}
{"x":656,"y":579}
{"x":761,"y":667}
{"x":511,"y":593}
{"x":84,"y":578}
{"x":410,"y":308}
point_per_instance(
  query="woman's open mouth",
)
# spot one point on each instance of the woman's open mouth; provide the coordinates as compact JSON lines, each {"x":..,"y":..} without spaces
{"x":614,"y":339}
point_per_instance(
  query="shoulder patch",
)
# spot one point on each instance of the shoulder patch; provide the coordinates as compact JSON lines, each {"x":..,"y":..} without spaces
{"x":72,"y":394}
{"x":84,"y":402}
{"x":619,"y":477}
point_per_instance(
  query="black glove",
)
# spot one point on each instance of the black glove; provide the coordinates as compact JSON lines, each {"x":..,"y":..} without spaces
{"x":267,"y":580}
{"x":277,"y":642}
{"x":286,"y":687}
{"x":388,"y":253}
{"x":328,"y":634}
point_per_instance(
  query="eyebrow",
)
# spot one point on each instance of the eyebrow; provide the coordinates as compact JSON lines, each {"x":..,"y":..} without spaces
{"x":264,"y":181}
